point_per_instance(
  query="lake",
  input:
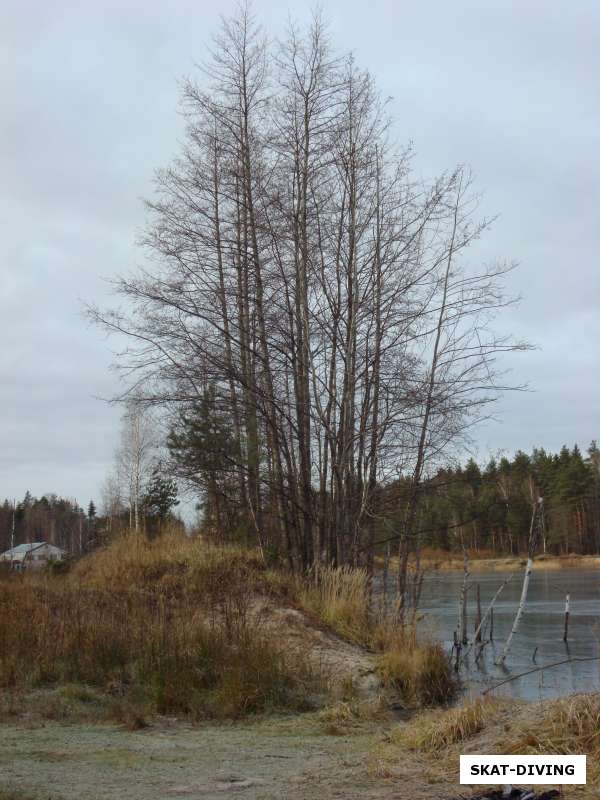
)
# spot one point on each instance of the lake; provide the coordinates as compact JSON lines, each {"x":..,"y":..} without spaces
{"x":541,"y":627}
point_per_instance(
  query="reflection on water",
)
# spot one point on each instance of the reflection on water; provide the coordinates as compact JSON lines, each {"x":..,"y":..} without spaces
{"x":541,"y":627}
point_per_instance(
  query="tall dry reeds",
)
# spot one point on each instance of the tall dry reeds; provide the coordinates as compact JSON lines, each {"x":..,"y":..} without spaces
{"x":340,"y":597}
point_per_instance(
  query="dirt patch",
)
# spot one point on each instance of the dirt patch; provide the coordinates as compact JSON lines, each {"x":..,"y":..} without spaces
{"x":348,"y":667}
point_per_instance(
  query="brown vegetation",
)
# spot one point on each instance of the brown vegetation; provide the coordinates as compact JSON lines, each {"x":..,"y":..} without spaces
{"x":570,"y":726}
{"x":340,"y":597}
{"x":436,"y":730}
{"x":432,"y":740}
{"x":180,"y":626}
{"x":165,"y":625}
{"x":421,"y":674}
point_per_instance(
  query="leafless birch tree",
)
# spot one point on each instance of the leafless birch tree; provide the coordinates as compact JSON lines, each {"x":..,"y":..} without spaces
{"x":134,"y":458}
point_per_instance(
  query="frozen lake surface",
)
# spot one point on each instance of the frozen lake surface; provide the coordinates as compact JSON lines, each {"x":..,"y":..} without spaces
{"x":541,"y":627}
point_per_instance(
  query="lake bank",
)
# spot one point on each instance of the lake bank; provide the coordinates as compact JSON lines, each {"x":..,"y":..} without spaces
{"x":449,"y":562}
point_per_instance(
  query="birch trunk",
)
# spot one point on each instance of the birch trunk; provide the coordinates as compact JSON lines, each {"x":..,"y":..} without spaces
{"x":537,"y":508}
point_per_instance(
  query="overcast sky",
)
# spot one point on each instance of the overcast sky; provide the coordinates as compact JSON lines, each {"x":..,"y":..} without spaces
{"x":89,"y":102}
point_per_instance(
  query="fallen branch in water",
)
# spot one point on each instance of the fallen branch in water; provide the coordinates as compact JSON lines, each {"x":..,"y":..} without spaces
{"x":541,"y":669}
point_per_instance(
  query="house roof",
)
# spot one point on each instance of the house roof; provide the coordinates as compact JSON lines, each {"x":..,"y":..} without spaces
{"x":23,"y":549}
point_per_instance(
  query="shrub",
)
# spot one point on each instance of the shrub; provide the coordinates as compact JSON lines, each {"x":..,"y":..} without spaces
{"x":421,"y":674}
{"x":55,"y":567}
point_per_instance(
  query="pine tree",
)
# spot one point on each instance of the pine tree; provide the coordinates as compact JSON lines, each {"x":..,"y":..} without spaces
{"x":206,"y":456}
{"x":159,"y":498}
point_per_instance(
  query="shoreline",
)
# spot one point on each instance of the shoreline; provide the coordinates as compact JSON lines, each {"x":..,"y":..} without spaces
{"x":454,"y":562}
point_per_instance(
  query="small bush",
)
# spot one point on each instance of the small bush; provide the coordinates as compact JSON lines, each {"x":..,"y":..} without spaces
{"x":421,"y":674}
{"x":55,"y":567}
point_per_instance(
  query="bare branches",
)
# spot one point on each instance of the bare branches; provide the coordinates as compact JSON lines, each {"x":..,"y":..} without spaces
{"x":301,"y":276}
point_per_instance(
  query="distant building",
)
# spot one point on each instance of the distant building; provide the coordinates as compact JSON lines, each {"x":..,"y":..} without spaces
{"x":33,"y":555}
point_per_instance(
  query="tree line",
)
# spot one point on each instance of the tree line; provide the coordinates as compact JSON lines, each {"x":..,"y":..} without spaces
{"x":139,"y":495}
{"x":488,"y":509}
{"x":58,"y":520}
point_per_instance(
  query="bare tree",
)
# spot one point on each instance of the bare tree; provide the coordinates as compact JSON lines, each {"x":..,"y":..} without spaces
{"x":135,"y":456}
{"x":300,"y":275}
{"x":112,"y":501}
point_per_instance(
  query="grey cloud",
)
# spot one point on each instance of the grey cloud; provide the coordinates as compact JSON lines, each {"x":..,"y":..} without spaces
{"x":90,"y":110}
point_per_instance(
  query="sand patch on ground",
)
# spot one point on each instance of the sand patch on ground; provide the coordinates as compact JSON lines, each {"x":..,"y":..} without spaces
{"x":347,"y":667}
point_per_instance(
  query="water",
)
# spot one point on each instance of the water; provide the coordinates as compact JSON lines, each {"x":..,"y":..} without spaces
{"x":541,"y":627}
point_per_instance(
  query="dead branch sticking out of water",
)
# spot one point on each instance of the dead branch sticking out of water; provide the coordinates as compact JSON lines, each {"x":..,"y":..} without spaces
{"x":537,"y":516}
{"x":462,"y":606}
{"x":567,"y":609}
{"x":489,"y":612}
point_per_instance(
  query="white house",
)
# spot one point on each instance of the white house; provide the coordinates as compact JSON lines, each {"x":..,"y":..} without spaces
{"x":33,"y":555}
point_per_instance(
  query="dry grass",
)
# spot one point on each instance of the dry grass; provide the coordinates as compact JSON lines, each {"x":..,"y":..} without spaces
{"x":345,"y":718}
{"x":172,"y":563}
{"x":340,"y":597}
{"x":435,"y":730}
{"x":14,"y":794}
{"x":171,"y":627}
{"x":431,"y":741}
{"x":76,"y":703}
{"x":570,"y":726}
{"x":166,"y":626}
{"x":421,"y":674}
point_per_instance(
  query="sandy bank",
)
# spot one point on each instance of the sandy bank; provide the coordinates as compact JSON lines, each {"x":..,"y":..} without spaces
{"x":455,"y":562}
